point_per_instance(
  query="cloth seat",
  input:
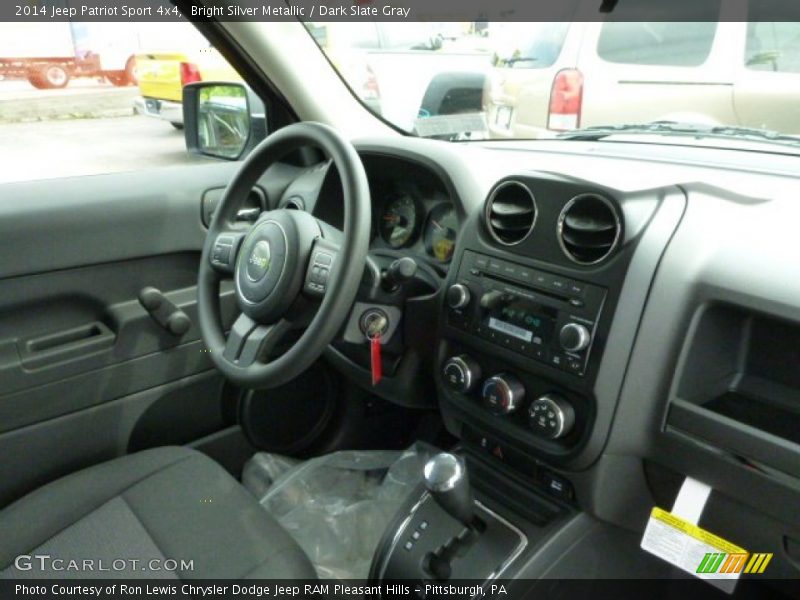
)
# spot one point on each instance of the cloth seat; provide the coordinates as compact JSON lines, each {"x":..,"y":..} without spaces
{"x":165,"y":503}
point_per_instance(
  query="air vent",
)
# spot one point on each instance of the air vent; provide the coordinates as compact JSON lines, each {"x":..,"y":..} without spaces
{"x":588,"y":229}
{"x":510,"y":213}
{"x":295,"y":203}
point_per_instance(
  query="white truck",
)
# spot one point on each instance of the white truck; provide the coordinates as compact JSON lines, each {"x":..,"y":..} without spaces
{"x":49,"y":54}
{"x":425,"y":77}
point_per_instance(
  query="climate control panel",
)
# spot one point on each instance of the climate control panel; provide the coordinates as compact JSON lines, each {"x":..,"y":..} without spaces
{"x":502,"y":394}
{"x":461,"y":373}
{"x":549,"y":415}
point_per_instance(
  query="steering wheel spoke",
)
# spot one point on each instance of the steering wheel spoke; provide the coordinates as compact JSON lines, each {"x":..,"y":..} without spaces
{"x":250,"y":342}
{"x":323,"y":256}
{"x":225,"y":250}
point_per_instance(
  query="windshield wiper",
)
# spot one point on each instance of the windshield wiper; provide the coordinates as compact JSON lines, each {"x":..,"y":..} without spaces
{"x":516,"y":59}
{"x":676,"y":128}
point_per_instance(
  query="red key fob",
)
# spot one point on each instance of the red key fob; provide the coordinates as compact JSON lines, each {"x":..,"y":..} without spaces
{"x":375,"y":358}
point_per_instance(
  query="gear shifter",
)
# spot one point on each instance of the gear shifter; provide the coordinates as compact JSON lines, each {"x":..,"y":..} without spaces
{"x":446,"y":480}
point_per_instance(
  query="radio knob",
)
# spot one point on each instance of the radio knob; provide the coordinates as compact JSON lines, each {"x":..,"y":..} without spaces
{"x":551,"y":416}
{"x":492,"y":300}
{"x":458,"y":296}
{"x":461,"y":373}
{"x":574,"y":337}
{"x":502,"y":394}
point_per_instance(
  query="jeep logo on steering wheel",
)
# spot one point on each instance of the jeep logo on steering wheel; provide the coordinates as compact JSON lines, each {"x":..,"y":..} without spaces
{"x":259,"y":261}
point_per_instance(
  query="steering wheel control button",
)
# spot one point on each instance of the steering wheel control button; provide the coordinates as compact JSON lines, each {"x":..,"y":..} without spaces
{"x":502,"y":394}
{"x":461,"y":373}
{"x":258,"y":262}
{"x":323,"y":258}
{"x":224,"y":251}
{"x":574,"y":337}
{"x":458,"y":296}
{"x":319,"y":271}
{"x":551,"y":416}
{"x":222,"y":254}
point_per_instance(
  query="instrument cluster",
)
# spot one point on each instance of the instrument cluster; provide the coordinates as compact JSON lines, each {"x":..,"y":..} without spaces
{"x":409,"y":218}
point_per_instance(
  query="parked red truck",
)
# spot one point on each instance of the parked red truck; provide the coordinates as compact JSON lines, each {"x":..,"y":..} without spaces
{"x":50,"y":54}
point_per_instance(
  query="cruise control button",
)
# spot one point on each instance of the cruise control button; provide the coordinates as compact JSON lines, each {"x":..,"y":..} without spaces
{"x":323,"y":258}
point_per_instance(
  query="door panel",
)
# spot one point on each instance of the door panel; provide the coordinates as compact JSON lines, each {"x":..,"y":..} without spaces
{"x":82,"y":364}
{"x":57,"y":224}
{"x":37,"y":454}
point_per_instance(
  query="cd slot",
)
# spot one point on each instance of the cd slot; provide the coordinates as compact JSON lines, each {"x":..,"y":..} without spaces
{"x":517,"y":286}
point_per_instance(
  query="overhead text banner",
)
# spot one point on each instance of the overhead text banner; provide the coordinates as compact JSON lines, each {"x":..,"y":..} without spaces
{"x":399,"y":10}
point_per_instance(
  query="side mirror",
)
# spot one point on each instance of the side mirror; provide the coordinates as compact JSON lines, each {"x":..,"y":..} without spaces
{"x":222,"y":119}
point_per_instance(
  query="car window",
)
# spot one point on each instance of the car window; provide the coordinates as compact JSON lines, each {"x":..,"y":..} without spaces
{"x":352,"y":35}
{"x":529,"y":45}
{"x":773,"y":46}
{"x":657,"y":43}
{"x":408,"y":36}
{"x":81,"y":98}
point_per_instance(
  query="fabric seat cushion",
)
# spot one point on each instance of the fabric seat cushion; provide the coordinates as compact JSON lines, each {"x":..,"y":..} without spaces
{"x":170,"y":502}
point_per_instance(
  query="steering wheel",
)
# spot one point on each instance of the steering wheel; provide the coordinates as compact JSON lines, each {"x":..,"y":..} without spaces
{"x":282,"y":266}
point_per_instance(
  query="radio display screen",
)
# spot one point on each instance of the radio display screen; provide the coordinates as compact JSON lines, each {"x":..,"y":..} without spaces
{"x":523,"y":320}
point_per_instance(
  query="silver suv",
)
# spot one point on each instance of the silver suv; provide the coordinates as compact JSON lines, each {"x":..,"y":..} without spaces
{"x":554,"y":77}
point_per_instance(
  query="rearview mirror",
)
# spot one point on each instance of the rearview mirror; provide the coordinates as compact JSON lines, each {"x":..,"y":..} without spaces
{"x":222,"y":119}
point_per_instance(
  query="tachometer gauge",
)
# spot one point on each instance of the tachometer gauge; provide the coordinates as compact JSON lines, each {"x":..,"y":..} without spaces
{"x":441,"y":229}
{"x":399,"y":221}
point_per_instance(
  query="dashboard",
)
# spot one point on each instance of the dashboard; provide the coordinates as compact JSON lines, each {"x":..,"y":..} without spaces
{"x":609,"y":317}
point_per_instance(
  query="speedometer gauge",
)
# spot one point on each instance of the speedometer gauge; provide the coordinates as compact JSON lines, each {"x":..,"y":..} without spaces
{"x":441,"y":229}
{"x":399,"y":221}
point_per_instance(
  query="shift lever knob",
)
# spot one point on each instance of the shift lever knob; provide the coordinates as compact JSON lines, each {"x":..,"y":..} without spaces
{"x":446,"y":480}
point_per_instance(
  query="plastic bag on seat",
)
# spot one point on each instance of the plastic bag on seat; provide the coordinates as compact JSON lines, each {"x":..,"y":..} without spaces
{"x":263,"y":468}
{"x":338,"y":506}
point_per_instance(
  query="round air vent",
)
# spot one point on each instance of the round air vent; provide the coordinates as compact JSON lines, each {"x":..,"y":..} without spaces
{"x":295,"y":203}
{"x":588,"y":229}
{"x":510,"y":213}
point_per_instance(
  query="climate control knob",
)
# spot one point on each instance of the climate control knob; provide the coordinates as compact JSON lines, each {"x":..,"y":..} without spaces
{"x":461,"y":373}
{"x":458,"y":296}
{"x":502,"y":394}
{"x":551,"y":416}
{"x":574,"y":337}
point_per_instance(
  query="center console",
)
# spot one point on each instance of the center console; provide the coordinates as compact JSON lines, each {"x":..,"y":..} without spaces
{"x":526,"y":319}
{"x":529,"y":369}
{"x":446,"y":534}
{"x":454,"y":539}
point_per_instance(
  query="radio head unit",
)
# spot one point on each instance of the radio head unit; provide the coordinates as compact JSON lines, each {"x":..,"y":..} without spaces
{"x":547,"y":317}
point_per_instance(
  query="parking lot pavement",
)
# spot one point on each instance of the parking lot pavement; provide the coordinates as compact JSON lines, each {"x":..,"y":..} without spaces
{"x":60,"y":148}
{"x":82,"y":98}
{"x":11,"y":89}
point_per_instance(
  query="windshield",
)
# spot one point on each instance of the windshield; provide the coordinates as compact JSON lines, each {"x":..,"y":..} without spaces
{"x":487,"y":81}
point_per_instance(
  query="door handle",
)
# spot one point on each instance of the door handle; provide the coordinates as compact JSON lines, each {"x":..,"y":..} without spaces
{"x":64,"y":345}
